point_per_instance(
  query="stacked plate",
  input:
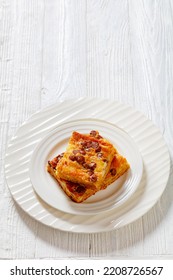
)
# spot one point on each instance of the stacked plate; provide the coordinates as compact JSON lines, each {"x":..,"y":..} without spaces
{"x":46,"y":134}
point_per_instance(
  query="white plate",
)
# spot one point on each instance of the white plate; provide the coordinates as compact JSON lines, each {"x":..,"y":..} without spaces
{"x":150,"y":143}
{"x":56,"y":142}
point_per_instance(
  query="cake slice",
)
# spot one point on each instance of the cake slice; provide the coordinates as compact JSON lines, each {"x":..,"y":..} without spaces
{"x":79,"y":193}
{"x":76,"y":192}
{"x":86,"y":160}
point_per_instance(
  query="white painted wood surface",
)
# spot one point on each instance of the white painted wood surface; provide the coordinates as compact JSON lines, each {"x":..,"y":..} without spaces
{"x":59,"y":49}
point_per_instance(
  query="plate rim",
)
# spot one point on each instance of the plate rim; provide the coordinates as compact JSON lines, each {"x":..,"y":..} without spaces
{"x":127,"y":106}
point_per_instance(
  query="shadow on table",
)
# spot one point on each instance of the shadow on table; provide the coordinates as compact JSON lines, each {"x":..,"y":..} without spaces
{"x":98,"y":245}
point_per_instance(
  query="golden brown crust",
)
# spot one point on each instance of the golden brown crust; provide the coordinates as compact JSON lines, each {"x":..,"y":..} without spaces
{"x":74,"y":191}
{"x":87,"y":160}
{"x":90,"y":164}
{"x":78,"y":193}
{"x":118,"y":167}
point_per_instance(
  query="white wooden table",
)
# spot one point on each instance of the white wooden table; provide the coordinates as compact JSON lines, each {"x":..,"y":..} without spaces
{"x":59,"y":49}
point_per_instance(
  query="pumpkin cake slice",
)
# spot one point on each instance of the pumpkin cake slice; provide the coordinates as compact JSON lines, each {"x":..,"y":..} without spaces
{"x":86,"y":160}
{"x":79,"y":193}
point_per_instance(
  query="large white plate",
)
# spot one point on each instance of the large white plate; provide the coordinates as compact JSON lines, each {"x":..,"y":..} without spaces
{"x":56,"y":142}
{"x":147,"y":137}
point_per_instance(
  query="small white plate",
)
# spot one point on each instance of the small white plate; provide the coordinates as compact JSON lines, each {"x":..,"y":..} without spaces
{"x":56,"y":142}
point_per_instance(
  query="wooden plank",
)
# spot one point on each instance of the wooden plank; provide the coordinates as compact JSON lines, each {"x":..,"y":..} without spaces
{"x":20,"y":91}
{"x":109,"y":63}
{"x":64,"y":57}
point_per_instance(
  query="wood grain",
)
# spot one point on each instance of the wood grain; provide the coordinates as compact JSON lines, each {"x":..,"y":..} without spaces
{"x":60,"y":49}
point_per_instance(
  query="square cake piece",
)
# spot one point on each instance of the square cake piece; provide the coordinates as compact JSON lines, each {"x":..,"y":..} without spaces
{"x":74,"y":191}
{"x":86,"y":160}
{"x":78,"y":193}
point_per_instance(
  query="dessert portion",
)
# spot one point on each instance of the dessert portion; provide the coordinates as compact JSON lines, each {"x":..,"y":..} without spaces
{"x":76,"y":192}
{"x":86,"y":160}
{"x":79,"y":193}
{"x":89,"y":164}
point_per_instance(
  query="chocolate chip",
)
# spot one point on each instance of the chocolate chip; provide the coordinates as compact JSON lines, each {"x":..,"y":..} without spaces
{"x":81,"y":143}
{"x":53,"y":163}
{"x":76,"y":152}
{"x":93,"y":178}
{"x":113,"y":171}
{"x":86,"y":144}
{"x":59,"y":157}
{"x":89,"y":144}
{"x":85,"y":165}
{"x":80,"y":159}
{"x":99,"y":155}
{"x":90,"y":172}
{"x":98,"y":149}
{"x":80,"y":189}
{"x":82,"y":152}
{"x":95,"y":145}
{"x":92,"y":165}
{"x":93,"y":133}
{"x":72,"y":157}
